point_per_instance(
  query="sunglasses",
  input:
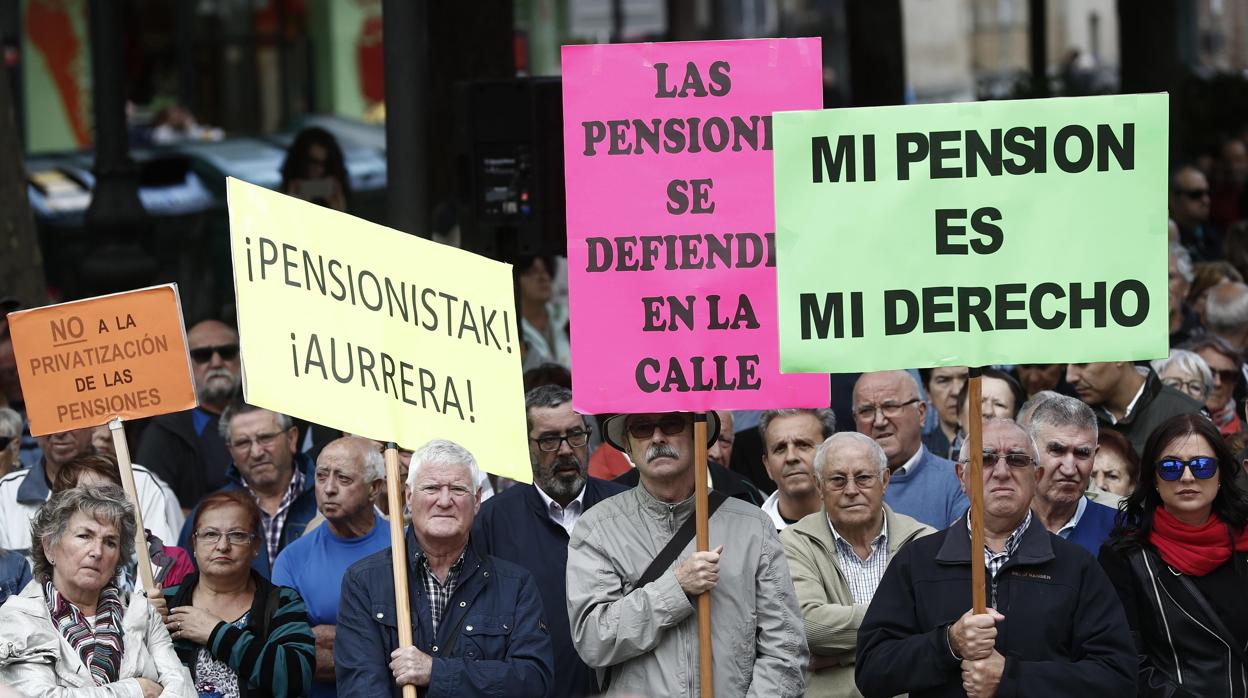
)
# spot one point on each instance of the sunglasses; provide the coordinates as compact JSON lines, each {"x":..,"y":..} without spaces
{"x":670,"y":425}
{"x":1195,"y":193}
{"x":1171,"y":469}
{"x":202,"y":355}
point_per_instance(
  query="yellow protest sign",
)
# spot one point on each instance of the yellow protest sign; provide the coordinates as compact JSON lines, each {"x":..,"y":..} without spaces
{"x":86,"y":362}
{"x":363,"y":328}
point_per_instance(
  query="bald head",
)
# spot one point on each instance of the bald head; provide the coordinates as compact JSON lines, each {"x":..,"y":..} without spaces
{"x":888,"y":409}
{"x":350,"y":473}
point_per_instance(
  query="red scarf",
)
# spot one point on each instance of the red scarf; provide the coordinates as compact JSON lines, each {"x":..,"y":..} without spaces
{"x":1193,"y":550}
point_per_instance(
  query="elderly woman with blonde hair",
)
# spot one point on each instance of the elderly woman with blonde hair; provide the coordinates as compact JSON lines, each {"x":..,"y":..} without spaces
{"x":71,"y":631}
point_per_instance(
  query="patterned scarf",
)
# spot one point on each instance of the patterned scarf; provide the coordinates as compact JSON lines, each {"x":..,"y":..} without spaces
{"x":100,"y":650}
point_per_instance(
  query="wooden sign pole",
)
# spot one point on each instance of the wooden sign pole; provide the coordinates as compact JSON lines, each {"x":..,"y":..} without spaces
{"x":703,"y":538}
{"x":144,"y":561}
{"x":975,"y":488}
{"x":398,"y":554}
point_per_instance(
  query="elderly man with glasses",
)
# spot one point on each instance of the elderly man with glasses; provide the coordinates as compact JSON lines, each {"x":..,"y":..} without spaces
{"x":838,"y":554}
{"x":530,"y":524}
{"x":185,"y":448}
{"x":922,"y":484}
{"x":1054,"y":626}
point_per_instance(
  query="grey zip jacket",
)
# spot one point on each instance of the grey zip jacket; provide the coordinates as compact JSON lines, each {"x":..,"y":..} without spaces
{"x":646,"y":640}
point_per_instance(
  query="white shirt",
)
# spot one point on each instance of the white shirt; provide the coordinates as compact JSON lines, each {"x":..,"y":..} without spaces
{"x":564,"y":516}
{"x":1069,"y":526}
{"x":912,"y":463}
{"x":1131,"y":406}
{"x":771,"y":507}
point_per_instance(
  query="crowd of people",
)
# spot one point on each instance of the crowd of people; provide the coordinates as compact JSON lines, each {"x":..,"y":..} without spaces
{"x":1114,"y":513}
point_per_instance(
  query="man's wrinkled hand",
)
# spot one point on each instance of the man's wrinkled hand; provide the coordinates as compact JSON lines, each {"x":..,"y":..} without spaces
{"x":980,"y":677}
{"x":974,"y":635}
{"x":699,"y":573}
{"x":410,"y":665}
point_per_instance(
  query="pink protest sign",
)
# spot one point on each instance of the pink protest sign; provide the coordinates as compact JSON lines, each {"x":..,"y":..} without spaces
{"x":671,"y":249}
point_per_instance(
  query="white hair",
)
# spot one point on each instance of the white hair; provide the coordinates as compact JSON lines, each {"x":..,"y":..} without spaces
{"x":443,"y":452}
{"x":1189,"y":362}
{"x":821,"y":454}
{"x":374,"y":466}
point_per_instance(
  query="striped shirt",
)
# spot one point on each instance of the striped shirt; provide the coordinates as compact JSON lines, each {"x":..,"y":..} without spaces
{"x":274,"y":524}
{"x":863,"y":575}
{"x":439,"y":592}
{"x":993,"y":562}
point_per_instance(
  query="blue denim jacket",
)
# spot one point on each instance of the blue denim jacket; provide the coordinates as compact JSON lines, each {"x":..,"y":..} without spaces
{"x":14,"y":574}
{"x":493,"y":639}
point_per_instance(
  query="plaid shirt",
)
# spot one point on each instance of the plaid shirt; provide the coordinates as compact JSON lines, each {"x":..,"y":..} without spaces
{"x":439,"y":592}
{"x":274,"y":524}
{"x":993,"y":562}
{"x":863,"y":575}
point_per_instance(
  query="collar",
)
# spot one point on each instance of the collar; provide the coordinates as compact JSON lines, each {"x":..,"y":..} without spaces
{"x":580,"y":498}
{"x":470,"y":557}
{"x":1069,"y":526}
{"x":1034,"y":545}
{"x":34,"y":488}
{"x":1149,"y":390}
{"x":658,"y":509}
{"x":1011,"y":541}
{"x":913,"y":463}
{"x":882,"y":536}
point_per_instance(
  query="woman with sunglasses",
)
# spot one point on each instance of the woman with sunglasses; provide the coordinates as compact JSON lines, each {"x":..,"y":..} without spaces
{"x":238,"y":634}
{"x":1179,"y":561}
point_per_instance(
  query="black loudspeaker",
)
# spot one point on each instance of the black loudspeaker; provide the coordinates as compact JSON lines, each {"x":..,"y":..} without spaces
{"x":511,"y":196}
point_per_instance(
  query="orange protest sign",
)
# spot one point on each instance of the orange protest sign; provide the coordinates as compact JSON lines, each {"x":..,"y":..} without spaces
{"x":86,"y":362}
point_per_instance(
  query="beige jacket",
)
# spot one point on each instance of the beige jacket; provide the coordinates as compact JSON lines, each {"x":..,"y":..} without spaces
{"x":648,"y":637}
{"x":38,"y":663}
{"x":828,"y":610}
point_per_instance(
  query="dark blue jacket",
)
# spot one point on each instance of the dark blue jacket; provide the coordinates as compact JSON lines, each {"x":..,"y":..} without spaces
{"x":300,"y":514}
{"x":515,"y":526}
{"x":1064,"y":633}
{"x":492,"y":641}
{"x":1094,"y":527}
{"x":15,"y":574}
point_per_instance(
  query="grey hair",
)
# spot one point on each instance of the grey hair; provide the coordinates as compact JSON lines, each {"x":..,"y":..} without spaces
{"x":10,"y":422}
{"x":821,"y":454}
{"x":1062,"y":411}
{"x":965,"y":451}
{"x":545,"y":396}
{"x":1183,"y":261}
{"x":239,"y":407}
{"x":1029,"y":407}
{"x":443,"y":452}
{"x":374,"y":466}
{"x":1189,"y":362}
{"x":1222,"y":317}
{"x":826,"y":417}
{"x":107,"y":504}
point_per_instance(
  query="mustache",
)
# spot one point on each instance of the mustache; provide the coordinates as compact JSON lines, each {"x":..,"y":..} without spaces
{"x":566,"y":462}
{"x":661,"y":451}
{"x":218,"y":373}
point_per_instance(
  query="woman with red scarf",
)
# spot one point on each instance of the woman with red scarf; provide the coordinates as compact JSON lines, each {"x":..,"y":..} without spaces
{"x":1179,"y":561}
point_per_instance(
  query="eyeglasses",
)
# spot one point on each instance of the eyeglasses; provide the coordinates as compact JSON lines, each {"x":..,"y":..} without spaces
{"x":862,"y":481}
{"x":1189,"y":387}
{"x":211,"y":536}
{"x":265,"y":440}
{"x":890,"y":410}
{"x":670,"y":425}
{"x":1195,"y":193}
{"x":1014,"y":460}
{"x":202,"y":355}
{"x":1171,"y":469}
{"x":6,"y":440}
{"x":551,"y":442}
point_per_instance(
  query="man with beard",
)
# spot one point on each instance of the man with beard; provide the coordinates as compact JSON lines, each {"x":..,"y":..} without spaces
{"x":790,"y":439}
{"x":185,"y":448}
{"x":1064,"y":431}
{"x":530,"y":524}
{"x":1127,"y":398}
{"x":350,"y":474}
{"x":642,"y":635}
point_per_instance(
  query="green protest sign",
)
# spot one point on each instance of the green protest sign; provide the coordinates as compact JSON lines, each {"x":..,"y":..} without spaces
{"x":972,"y":234}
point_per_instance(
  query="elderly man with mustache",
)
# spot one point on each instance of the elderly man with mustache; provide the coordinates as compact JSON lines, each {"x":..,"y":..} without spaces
{"x":530,"y":524}
{"x":642,"y":635}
